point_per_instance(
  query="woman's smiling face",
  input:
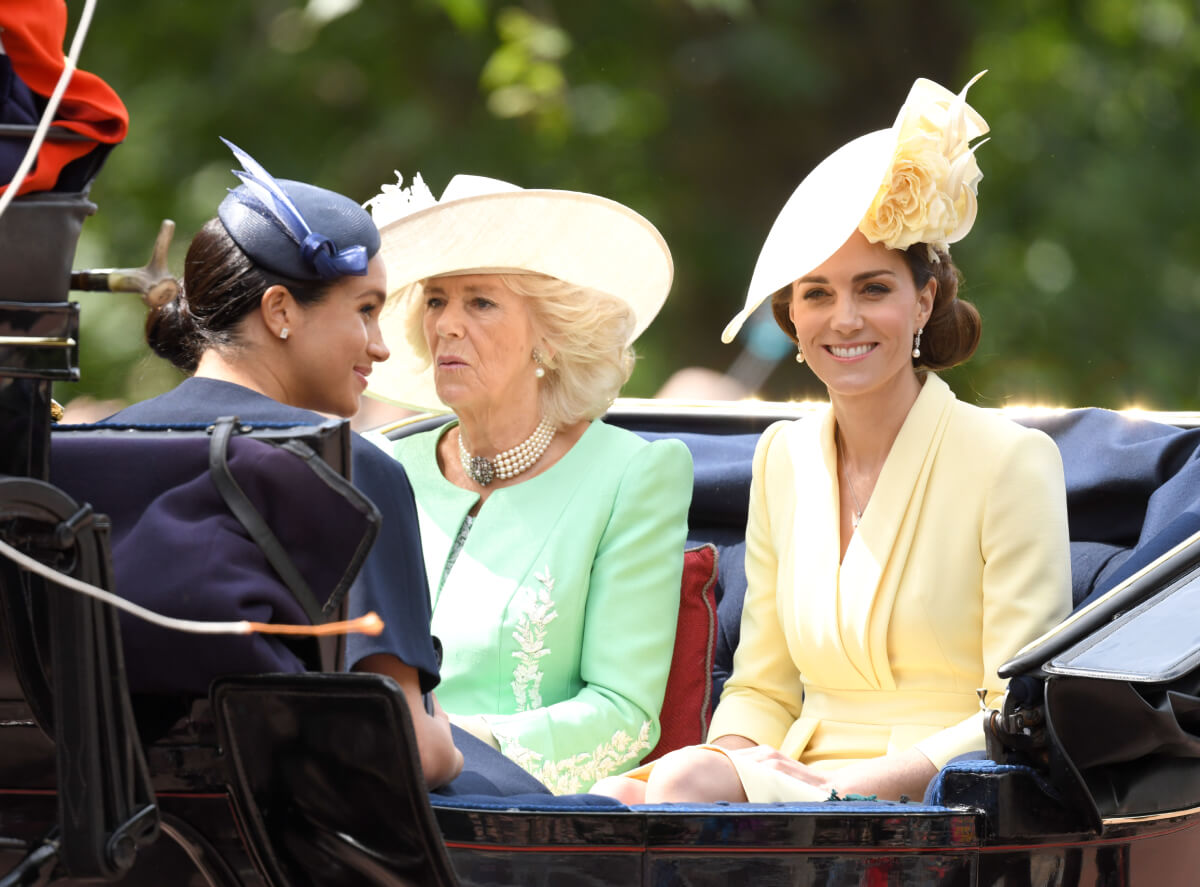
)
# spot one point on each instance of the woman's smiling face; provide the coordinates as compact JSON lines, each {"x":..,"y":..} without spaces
{"x":335,"y":342}
{"x":855,"y":317}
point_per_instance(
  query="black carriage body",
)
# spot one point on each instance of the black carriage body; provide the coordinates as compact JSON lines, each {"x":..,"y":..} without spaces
{"x":214,"y":830}
{"x":840,"y":846}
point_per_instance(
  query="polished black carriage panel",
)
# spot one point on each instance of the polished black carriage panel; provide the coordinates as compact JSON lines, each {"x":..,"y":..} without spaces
{"x":840,"y":843}
{"x":324,"y":774}
{"x":832,"y":844}
{"x":810,"y":844}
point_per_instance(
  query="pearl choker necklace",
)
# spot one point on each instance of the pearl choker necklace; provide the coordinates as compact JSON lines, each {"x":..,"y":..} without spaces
{"x":511,"y":462}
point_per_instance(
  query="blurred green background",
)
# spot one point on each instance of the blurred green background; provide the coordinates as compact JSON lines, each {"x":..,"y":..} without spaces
{"x":703,"y":115}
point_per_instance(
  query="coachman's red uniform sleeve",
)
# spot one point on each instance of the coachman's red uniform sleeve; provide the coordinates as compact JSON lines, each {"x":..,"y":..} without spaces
{"x":33,"y":33}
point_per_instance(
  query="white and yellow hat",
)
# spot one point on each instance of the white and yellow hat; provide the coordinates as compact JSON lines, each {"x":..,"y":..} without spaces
{"x":913,"y":183}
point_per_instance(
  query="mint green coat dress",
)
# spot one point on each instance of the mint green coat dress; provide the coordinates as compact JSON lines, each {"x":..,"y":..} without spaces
{"x":557,"y":617}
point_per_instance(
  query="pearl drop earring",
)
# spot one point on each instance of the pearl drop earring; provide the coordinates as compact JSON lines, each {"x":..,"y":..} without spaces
{"x":799,"y":355}
{"x":539,"y":370}
{"x":916,"y":352}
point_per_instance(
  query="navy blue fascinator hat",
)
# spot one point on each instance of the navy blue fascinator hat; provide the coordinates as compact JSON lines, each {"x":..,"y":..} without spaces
{"x":297,"y":230}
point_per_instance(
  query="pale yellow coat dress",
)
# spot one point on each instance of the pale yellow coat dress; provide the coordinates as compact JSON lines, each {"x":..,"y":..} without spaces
{"x":960,"y":559}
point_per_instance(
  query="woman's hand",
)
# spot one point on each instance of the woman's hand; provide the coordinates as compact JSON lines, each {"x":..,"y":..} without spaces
{"x":888,"y":777}
{"x":441,"y":761}
{"x":906,"y":773}
{"x":443,"y":726}
{"x":777,"y":760}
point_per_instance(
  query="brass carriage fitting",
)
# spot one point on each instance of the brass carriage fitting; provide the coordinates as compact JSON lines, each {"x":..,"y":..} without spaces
{"x":153,"y":280}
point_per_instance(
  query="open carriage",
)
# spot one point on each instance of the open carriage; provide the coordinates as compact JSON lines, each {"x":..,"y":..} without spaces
{"x":313,"y":778}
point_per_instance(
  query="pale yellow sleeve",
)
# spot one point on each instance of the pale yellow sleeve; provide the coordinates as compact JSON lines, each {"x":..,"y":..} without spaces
{"x":762,"y":697}
{"x":1026,"y":573}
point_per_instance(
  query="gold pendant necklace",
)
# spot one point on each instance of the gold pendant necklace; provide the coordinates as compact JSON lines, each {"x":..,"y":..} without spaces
{"x":858,"y":509}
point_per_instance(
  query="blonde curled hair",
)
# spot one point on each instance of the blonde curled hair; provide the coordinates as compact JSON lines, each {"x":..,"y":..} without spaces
{"x":585,"y":333}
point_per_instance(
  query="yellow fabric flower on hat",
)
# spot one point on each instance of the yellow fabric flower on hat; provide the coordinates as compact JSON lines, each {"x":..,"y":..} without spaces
{"x":929,"y":194}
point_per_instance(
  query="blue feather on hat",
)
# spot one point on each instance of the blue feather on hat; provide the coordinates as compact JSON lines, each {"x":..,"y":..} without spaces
{"x":262,"y":193}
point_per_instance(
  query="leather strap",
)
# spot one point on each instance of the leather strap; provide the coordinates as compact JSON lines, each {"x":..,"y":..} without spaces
{"x":243,"y":509}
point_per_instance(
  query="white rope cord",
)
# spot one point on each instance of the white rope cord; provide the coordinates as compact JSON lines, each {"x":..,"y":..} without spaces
{"x":39,"y":135}
{"x":189,"y":625}
{"x":369,"y":623}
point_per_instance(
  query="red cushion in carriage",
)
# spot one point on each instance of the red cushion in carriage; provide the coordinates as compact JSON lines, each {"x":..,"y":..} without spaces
{"x":687,"y":706}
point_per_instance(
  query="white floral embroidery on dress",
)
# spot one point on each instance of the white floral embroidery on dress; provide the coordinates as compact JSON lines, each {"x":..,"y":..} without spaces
{"x":530,"y":636}
{"x":579,"y":772}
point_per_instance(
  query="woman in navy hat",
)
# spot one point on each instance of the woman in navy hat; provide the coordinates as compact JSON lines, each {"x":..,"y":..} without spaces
{"x":278,"y":320}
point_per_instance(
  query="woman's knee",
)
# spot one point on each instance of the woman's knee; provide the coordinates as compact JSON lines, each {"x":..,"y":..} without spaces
{"x":694,"y":774}
{"x":622,"y":788}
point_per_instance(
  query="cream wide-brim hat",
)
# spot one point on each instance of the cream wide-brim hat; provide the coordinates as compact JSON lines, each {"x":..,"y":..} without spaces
{"x":842,"y":188}
{"x":830,"y":204}
{"x":486,"y":226}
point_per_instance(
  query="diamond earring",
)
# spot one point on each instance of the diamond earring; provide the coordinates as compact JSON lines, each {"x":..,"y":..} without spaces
{"x":916,"y":352}
{"x":539,"y":370}
{"x":283,"y":333}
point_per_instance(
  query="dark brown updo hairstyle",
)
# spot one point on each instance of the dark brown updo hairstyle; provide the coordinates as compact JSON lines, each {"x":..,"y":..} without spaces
{"x":953,"y":329}
{"x":221,"y":286}
{"x":952,"y":332}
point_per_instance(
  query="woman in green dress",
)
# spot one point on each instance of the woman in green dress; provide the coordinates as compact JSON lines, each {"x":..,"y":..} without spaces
{"x":553,"y":542}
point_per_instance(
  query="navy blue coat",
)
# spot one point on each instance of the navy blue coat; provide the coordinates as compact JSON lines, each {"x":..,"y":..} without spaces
{"x":394,"y":569}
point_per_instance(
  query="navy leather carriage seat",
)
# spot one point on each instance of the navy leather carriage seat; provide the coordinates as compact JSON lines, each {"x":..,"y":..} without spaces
{"x":177,"y":548}
{"x":1133,"y":492}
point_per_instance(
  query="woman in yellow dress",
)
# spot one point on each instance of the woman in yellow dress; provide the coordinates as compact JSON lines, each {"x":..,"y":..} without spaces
{"x":902,"y":545}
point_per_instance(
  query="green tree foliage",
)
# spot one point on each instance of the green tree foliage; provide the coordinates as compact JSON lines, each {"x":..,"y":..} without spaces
{"x":1086,"y":259}
{"x":703,"y":115}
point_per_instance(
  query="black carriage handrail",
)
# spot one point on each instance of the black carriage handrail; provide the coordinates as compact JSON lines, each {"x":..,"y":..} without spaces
{"x":64,"y":649}
{"x":1164,"y":571}
{"x":107,"y":807}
